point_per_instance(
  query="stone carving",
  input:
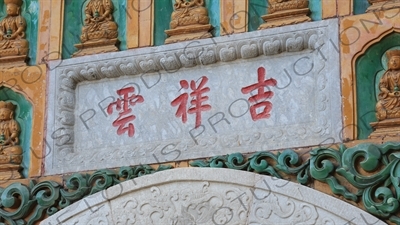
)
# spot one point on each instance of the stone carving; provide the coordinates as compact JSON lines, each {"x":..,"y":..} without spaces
{"x":320,"y":166}
{"x":388,"y":105}
{"x":100,"y":32}
{"x":209,"y":196}
{"x":13,"y":45}
{"x":10,"y":151}
{"x":74,"y":72}
{"x":199,"y":204}
{"x":377,"y":5}
{"x":189,"y":21}
{"x":279,"y":209}
{"x":284,"y":12}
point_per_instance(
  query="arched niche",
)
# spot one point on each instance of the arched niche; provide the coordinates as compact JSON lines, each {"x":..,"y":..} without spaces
{"x":369,"y":67}
{"x":74,"y":18}
{"x":210,"y":196}
{"x":30,"y":11}
{"x":357,"y":34}
{"x":23,"y":116}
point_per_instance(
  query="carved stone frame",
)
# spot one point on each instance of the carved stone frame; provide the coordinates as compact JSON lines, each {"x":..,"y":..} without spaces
{"x":67,"y":74}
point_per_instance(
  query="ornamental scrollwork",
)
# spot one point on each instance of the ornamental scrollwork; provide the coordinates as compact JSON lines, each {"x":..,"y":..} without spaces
{"x":365,"y":173}
{"x":372,"y":170}
{"x":26,"y":204}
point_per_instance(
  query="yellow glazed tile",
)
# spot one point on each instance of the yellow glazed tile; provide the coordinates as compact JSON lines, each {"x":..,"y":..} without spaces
{"x":345,"y":7}
{"x":132,"y":24}
{"x":226,"y":13}
{"x":145,"y":23}
{"x":239,"y":19}
{"x":233,"y":16}
{"x":328,"y":9}
{"x":50,"y":30}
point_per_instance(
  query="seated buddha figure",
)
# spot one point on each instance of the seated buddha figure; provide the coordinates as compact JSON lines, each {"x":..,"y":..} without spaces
{"x":281,"y":5}
{"x":285,"y":12}
{"x":10,"y":151}
{"x":189,"y":13}
{"x":12,"y":31}
{"x":99,"y":22}
{"x":388,"y":105}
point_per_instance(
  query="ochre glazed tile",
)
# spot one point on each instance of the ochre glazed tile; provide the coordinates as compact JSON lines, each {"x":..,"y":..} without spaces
{"x":132,"y":24}
{"x":345,"y":7}
{"x":51,"y":18}
{"x":145,"y":23}
{"x":328,"y":9}
{"x":233,"y":16}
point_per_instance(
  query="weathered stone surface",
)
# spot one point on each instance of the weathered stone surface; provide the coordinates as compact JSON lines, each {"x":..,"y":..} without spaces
{"x":305,"y":105}
{"x":210,"y":196}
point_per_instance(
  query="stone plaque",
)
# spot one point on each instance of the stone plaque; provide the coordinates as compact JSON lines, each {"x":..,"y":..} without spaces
{"x":265,"y":90}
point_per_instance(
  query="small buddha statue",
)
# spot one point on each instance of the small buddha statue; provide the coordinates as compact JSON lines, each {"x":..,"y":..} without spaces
{"x":281,"y":5}
{"x":285,"y":12}
{"x":189,"y":21}
{"x":99,"y":22}
{"x":100,"y":32}
{"x":388,"y":105}
{"x":12,"y":31}
{"x":10,"y":151}
{"x":189,"y":13}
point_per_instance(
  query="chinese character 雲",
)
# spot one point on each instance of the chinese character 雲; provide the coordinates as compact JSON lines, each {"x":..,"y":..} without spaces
{"x":123,"y":122}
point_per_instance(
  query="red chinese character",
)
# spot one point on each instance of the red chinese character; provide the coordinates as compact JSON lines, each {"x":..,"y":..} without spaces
{"x":122,"y":105}
{"x":196,"y":102}
{"x":261,"y":95}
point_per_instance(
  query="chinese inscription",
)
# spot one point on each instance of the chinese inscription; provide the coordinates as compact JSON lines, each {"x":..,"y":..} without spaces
{"x":260,"y":99}
{"x":123,"y":122}
{"x":196,"y":102}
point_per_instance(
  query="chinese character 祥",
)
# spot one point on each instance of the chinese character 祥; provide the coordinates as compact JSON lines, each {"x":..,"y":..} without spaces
{"x":260,"y":98}
{"x":123,"y":106}
{"x":196,"y":102}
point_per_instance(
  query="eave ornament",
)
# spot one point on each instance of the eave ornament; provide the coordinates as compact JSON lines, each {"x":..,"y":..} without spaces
{"x":189,"y":21}
{"x":13,"y":45}
{"x":100,"y":32}
{"x":284,"y":12}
